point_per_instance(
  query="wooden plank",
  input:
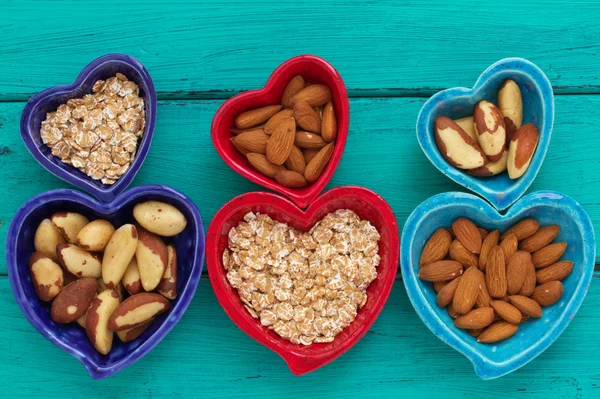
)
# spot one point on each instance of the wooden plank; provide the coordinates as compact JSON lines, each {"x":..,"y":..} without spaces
{"x":381,"y":154}
{"x":381,"y":48}
{"x":205,"y":353}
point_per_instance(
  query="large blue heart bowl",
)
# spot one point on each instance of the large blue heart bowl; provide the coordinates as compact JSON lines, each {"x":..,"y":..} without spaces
{"x":535,"y":335}
{"x":459,"y":102}
{"x":71,"y":337}
{"x":48,"y":100}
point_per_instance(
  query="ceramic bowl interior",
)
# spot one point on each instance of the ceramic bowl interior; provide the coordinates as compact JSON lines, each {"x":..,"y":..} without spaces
{"x":533,"y":336}
{"x":71,"y":337}
{"x":455,"y":103}
{"x":49,"y":100}
{"x":313,"y":70}
{"x":368,"y":205}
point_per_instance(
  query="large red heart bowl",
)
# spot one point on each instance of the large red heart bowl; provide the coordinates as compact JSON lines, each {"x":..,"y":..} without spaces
{"x":368,"y":205}
{"x":314,"y":70}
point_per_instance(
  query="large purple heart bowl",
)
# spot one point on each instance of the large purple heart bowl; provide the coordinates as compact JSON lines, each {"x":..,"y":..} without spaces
{"x":71,"y":337}
{"x":48,"y":100}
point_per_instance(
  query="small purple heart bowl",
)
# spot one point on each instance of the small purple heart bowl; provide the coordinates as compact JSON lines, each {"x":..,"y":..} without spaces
{"x":48,"y":100}
{"x":71,"y":337}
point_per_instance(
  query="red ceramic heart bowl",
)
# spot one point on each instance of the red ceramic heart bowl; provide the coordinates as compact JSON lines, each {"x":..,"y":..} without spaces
{"x":368,"y":205}
{"x":314,"y":70}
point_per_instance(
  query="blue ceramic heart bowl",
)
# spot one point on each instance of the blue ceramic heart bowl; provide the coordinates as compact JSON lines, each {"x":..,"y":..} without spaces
{"x":538,"y":108}
{"x":48,"y":100}
{"x":71,"y":337}
{"x":533,"y":336}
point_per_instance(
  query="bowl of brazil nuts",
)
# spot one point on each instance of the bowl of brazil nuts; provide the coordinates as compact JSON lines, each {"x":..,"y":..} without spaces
{"x":105,"y":282}
{"x":499,"y":288}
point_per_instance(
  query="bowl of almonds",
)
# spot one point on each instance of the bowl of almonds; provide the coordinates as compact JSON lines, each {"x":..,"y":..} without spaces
{"x":95,"y":132}
{"x":499,"y":288}
{"x":288,"y":136}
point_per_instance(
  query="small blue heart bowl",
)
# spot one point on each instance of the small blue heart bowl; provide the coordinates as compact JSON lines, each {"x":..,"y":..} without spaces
{"x":459,"y":102}
{"x":48,"y":100}
{"x":533,"y":336}
{"x":71,"y":337}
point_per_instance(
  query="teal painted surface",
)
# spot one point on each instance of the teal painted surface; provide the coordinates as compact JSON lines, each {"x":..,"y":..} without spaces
{"x":391,"y":55}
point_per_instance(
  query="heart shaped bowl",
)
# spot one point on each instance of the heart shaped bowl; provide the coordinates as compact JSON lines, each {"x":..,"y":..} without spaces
{"x":314,"y":70}
{"x":368,"y":205}
{"x":48,"y":100}
{"x":71,"y":337}
{"x":535,"y":335}
{"x":538,"y":108}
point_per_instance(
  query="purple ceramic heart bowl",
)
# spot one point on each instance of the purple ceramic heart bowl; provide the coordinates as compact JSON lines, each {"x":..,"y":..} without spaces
{"x":48,"y":100}
{"x":71,"y":337}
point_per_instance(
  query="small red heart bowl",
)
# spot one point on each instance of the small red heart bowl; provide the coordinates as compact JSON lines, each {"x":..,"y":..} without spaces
{"x":368,"y":205}
{"x":314,"y":70}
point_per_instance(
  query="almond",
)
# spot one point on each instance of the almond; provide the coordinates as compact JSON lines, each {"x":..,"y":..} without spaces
{"x":296,"y":161}
{"x":292,"y":88}
{"x":315,"y":95}
{"x":544,"y":236}
{"x":252,"y":141}
{"x":488,"y":243}
{"x":276,"y":119}
{"x":460,"y":254}
{"x":529,"y":282}
{"x":475,"y":332}
{"x":318,"y":163}
{"x":477,"y":318}
{"x":451,"y":312}
{"x":436,"y":247}
{"x":467,"y":234}
{"x":496,"y":332}
{"x":490,"y":129}
{"x":262,"y":164}
{"x":506,"y":311}
{"x":467,"y":290}
{"x":329,"y":124}
{"x":527,"y":306}
{"x":446,"y":293}
{"x":309,"y":140}
{"x":548,"y":294}
{"x":525,"y":228}
{"x":235,"y":145}
{"x":438,"y":285}
{"x":440,"y":270}
{"x":483,"y":232}
{"x":483,"y":297}
{"x":556,"y":272}
{"x":509,"y":245}
{"x":235,"y":131}
{"x":517,"y":268}
{"x":521,"y":149}
{"x":548,"y":255}
{"x":281,"y":142}
{"x":291,"y":179}
{"x":309,"y":153}
{"x":256,"y":116}
{"x":491,"y":168}
{"x":510,"y":102}
{"x":495,"y":276}
{"x":466,"y":124}
{"x":456,"y":146}
{"x":306,"y":117}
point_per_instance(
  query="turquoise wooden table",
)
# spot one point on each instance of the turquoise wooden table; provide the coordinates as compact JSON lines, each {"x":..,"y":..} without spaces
{"x":392,"y":56}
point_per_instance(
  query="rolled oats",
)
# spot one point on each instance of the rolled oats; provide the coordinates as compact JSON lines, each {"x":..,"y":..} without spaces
{"x":98,"y":133}
{"x":305,"y":286}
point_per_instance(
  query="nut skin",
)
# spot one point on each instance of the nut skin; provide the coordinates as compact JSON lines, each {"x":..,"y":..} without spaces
{"x":467,"y":291}
{"x":252,"y":141}
{"x":160,"y":218}
{"x":475,"y":319}
{"x":69,"y":224}
{"x":256,"y":116}
{"x":456,"y":146}
{"x":315,"y":95}
{"x":46,"y":276}
{"x":262,"y":164}
{"x":548,"y":294}
{"x":281,"y":142}
{"x":329,"y":124}
{"x":548,"y":255}
{"x":318,"y":163}
{"x":441,"y":270}
{"x":78,"y":261}
{"x":296,"y":161}
{"x":137,"y":309}
{"x":495,"y":276}
{"x":73,"y":300}
{"x":497,"y":331}
{"x":306,"y":117}
{"x":292,"y":88}
{"x":95,"y":235}
{"x":275,"y":119}
{"x":556,"y":272}
{"x":168,"y":283}
{"x":540,"y":239}
{"x":291,"y":179}
{"x":134,"y":332}
{"x":521,"y":150}
{"x":468,"y":234}
{"x":96,"y":320}
{"x":489,"y":242}
{"x":151,"y":255}
{"x":523,"y":229}
{"x":490,"y":129}
{"x":436,"y":247}
{"x":118,"y":253}
{"x":46,"y":238}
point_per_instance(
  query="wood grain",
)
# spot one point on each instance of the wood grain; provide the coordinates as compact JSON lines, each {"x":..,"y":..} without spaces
{"x":381,"y":154}
{"x":381,"y":48}
{"x":207,"y":355}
